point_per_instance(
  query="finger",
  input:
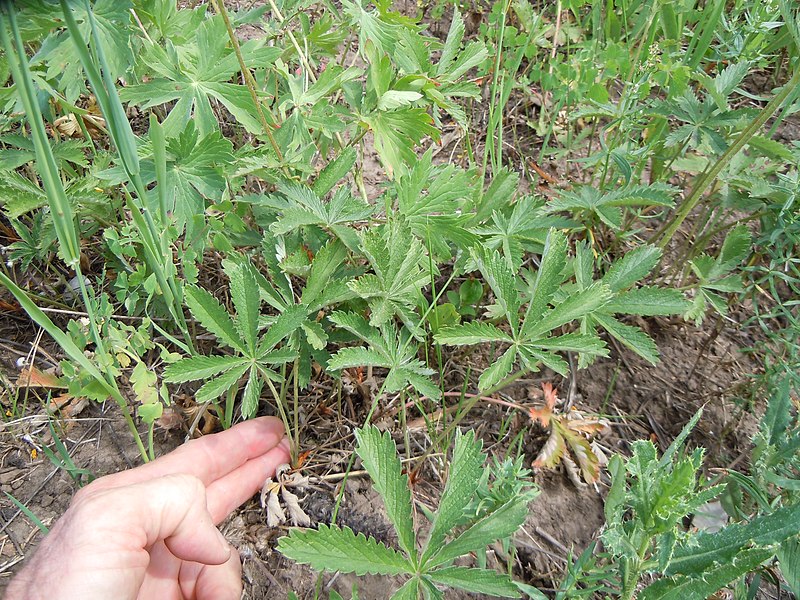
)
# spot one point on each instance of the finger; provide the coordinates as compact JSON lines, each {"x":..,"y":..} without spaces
{"x":172,"y":508}
{"x":208,"y":458}
{"x":229,"y":492}
{"x":213,"y":582}
{"x":103,"y":541}
{"x":161,"y":580}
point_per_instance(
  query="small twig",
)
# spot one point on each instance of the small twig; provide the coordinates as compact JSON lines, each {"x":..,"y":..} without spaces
{"x":550,"y":539}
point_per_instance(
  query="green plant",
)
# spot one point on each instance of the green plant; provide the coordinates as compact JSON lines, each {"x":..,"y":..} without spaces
{"x":454,"y":532}
{"x":62,"y":460}
{"x":648,"y":499}
{"x":774,"y":478}
{"x":714,"y":275}
{"x":255,"y":354}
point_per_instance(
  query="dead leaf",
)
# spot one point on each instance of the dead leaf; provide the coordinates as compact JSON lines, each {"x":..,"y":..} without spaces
{"x":569,"y":438}
{"x":68,"y":125}
{"x":32,"y":377}
{"x":573,"y":474}
{"x":67,"y":407}
{"x":171,"y":419}
{"x":296,"y":514}
{"x":550,"y":395}
{"x":275,"y":489}
{"x":552,"y":451}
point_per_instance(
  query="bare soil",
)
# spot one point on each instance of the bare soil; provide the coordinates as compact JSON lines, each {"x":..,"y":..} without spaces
{"x":700,"y":367}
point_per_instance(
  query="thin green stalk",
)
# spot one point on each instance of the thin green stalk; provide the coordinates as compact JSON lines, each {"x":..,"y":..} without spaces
{"x":28,"y":513}
{"x":474,"y":399}
{"x":284,"y":417}
{"x":250,"y":83}
{"x":296,"y":394}
{"x":122,"y":135}
{"x":705,"y":181}
{"x":156,"y":132}
{"x":488,"y":146}
{"x":63,"y":218}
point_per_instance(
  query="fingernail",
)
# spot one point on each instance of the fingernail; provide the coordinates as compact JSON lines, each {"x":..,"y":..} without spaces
{"x":285,"y":444}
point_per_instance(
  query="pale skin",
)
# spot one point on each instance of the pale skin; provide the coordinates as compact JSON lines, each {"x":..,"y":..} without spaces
{"x":150,"y":532}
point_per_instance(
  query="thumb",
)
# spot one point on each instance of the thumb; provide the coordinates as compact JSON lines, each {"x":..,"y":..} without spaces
{"x":102,"y":543}
{"x":172,"y":508}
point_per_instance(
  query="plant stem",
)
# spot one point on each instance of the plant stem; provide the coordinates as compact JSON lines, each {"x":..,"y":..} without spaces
{"x":705,"y":181}
{"x":248,"y":77}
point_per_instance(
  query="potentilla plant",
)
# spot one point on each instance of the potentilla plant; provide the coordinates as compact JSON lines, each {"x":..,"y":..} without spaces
{"x":463,"y":523}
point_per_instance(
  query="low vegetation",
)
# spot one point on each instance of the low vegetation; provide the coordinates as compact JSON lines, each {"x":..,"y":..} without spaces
{"x":426,"y":203}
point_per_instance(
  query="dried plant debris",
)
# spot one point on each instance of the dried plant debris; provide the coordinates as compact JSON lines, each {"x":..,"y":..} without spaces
{"x":275,"y":495}
{"x":569,"y":441}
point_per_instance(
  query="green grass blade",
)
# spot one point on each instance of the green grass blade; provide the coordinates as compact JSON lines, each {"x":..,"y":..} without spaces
{"x":27,"y":512}
{"x":63,"y":219}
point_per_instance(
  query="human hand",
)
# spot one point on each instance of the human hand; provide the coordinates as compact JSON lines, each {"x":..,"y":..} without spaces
{"x":150,"y":532}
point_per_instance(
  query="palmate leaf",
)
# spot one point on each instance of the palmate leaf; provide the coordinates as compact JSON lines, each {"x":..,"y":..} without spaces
{"x":321,"y":274}
{"x":421,"y":382}
{"x":213,"y":389}
{"x":635,"y":265}
{"x":396,"y":133}
{"x":548,"y":277}
{"x":495,"y":373}
{"x":632,"y":337}
{"x":607,"y":205}
{"x":307,"y":208}
{"x":194,"y":172}
{"x":466,"y":468}
{"x":789,"y":560}
{"x":200,"y":367}
{"x":251,"y":395}
{"x":359,"y":327}
{"x":378,"y":453}
{"x":503,"y":283}
{"x":331,"y":548}
{"x":371,"y":28}
{"x":409,"y":591}
{"x":430,"y":198}
{"x":523,"y":227}
{"x":574,"y":307}
{"x":532,"y":357}
{"x":334,"y":171}
{"x":347,"y":358}
{"x":195,"y":74}
{"x":112,"y":25}
{"x":452,"y":44}
{"x":647,"y":301}
{"x":284,"y":325}
{"x":211,"y":315}
{"x":571,"y":342}
{"x":735,"y":249}
{"x":498,"y":524}
{"x":396,"y":257}
{"x":476,"y":581}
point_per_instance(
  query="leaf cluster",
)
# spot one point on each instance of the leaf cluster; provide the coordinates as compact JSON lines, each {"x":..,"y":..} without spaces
{"x":428,"y":563}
